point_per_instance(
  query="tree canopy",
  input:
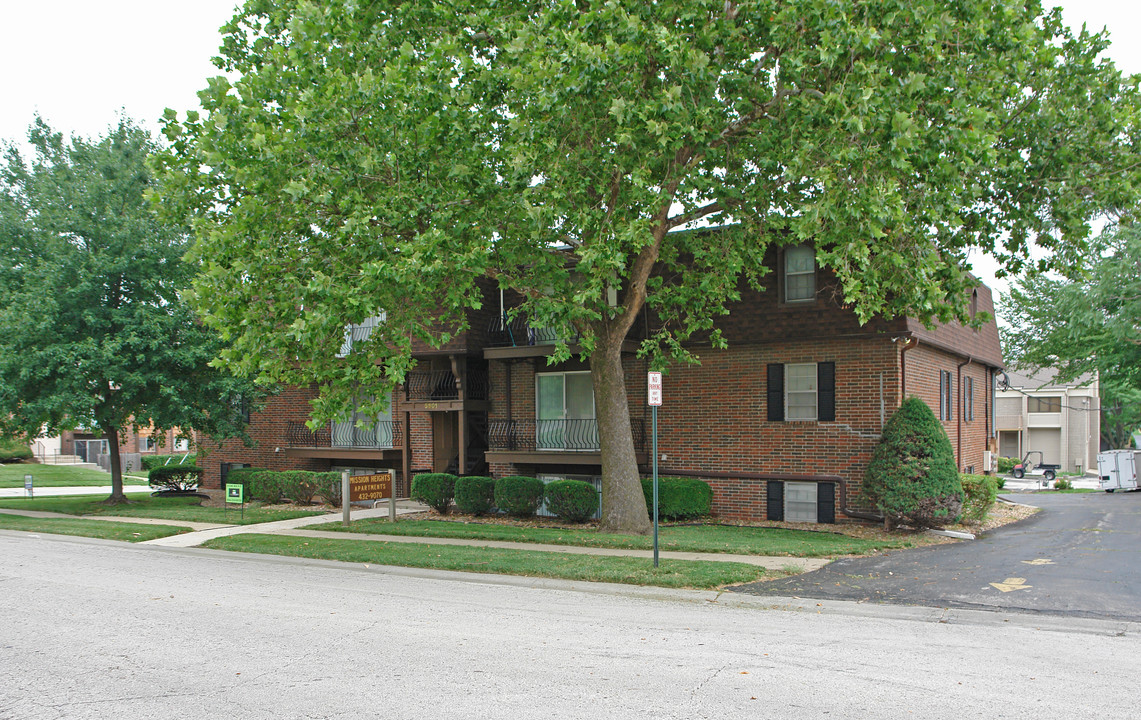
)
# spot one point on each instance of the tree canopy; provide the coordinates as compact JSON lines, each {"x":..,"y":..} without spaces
{"x":1086,"y":324}
{"x":95,"y":333}
{"x":385,"y":155}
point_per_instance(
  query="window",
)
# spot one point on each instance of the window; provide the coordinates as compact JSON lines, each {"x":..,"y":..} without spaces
{"x":146,"y":444}
{"x":799,"y":274}
{"x":181,"y":444}
{"x":1044,"y":404}
{"x":946,"y":404}
{"x":801,"y":501}
{"x":564,"y":412}
{"x":358,"y":333}
{"x":968,"y":398}
{"x":802,"y":391}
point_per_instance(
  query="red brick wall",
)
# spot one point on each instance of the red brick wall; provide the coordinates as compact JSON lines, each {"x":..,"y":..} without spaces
{"x":267,"y":429}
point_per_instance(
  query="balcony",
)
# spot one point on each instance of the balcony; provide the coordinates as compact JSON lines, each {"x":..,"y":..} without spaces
{"x":440,"y":390}
{"x":518,"y":338}
{"x":345,"y":440}
{"x":572,"y":442}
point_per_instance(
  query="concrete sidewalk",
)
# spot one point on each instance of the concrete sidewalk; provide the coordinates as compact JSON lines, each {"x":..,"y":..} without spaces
{"x":200,"y":526}
{"x":19,"y":492}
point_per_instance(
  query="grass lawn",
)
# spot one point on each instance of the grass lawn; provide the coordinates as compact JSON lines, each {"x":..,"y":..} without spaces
{"x":130,"y":532}
{"x":684,"y":538}
{"x":632,"y":571}
{"x":12,"y":475}
{"x":186,"y":509}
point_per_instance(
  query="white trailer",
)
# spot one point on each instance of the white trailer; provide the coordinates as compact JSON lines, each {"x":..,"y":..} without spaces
{"x":1118,"y":469}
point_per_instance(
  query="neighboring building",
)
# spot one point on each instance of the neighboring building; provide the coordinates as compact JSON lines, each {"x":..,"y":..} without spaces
{"x":145,"y":441}
{"x":782,"y":424}
{"x":1062,"y":420}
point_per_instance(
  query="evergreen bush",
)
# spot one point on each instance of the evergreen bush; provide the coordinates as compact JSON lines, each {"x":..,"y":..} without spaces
{"x":175,"y":478}
{"x":475,"y":495}
{"x":571,"y":500}
{"x":518,"y":496}
{"x":912,"y":478}
{"x":435,"y":490}
{"x":981,"y":492}
{"x":678,"y":498}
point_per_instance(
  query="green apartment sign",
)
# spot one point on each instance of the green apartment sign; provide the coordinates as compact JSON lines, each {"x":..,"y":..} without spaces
{"x":235,"y":493}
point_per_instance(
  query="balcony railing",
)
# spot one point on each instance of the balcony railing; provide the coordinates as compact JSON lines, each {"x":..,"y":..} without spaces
{"x":384,"y":435}
{"x":553,"y":435}
{"x":441,"y":385}
{"x":517,"y":333}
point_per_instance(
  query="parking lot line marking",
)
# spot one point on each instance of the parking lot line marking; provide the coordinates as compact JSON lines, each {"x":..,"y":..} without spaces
{"x":1039,"y":561}
{"x":1011,"y":584}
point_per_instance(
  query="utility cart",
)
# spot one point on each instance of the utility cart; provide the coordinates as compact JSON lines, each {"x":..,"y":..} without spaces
{"x":1118,"y":469}
{"x":1045,"y":470}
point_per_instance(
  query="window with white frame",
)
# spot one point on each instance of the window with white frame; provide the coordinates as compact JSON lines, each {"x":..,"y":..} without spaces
{"x":800,"y":391}
{"x":968,"y":398}
{"x":799,"y":274}
{"x":181,"y":445}
{"x":146,"y":443}
{"x":1044,"y":404}
{"x":946,"y":398}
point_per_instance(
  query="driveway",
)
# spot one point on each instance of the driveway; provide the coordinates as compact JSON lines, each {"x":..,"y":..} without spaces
{"x":1080,"y":556}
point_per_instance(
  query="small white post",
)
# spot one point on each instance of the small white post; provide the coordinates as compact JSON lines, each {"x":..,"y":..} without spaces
{"x":391,"y":496}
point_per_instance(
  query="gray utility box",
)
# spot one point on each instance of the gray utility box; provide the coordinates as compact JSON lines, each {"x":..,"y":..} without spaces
{"x":1118,"y":469}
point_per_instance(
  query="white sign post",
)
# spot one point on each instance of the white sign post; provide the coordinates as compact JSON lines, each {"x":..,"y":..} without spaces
{"x":654,"y":398}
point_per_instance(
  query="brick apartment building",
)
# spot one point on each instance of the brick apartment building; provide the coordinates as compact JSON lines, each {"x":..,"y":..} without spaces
{"x":782,"y":424}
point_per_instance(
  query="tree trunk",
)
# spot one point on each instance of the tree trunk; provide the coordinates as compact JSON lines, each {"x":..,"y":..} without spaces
{"x":117,"y":494}
{"x":623,"y":504}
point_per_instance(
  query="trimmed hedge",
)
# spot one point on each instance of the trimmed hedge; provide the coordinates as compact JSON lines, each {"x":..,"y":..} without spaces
{"x":12,"y":450}
{"x":261,"y":485}
{"x":519,"y":496}
{"x":299,"y":486}
{"x":475,"y":495}
{"x":435,"y":490}
{"x":912,"y":478}
{"x":571,"y":500}
{"x":981,"y":491}
{"x":150,"y":462}
{"x":678,"y":498}
{"x":176,"y":478}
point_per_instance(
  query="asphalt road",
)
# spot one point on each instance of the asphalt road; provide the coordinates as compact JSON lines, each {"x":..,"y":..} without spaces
{"x":95,"y":629}
{"x":1080,"y":557}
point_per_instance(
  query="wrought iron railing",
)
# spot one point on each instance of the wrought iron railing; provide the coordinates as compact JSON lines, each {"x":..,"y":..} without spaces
{"x":384,"y":434}
{"x":440,"y":385}
{"x":516,"y":332}
{"x":553,"y":435}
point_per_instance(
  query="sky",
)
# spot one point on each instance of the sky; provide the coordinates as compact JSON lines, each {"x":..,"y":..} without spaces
{"x":79,"y":63}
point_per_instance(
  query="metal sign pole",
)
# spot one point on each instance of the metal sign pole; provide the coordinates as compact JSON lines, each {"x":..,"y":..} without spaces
{"x":392,"y":496}
{"x":654,"y":413}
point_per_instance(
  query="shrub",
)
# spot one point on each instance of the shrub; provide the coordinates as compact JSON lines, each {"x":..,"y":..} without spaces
{"x":1063,"y":484}
{"x":150,"y":462}
{"x":475,"y":495}
{"x":912,"y":477}
{"x":13,"y":450}
{"x":176,"y":478}
{"x":678,"y":498}
{"x":1006,"y":465}
{"x":262,"y":485}
{"x":299,"y":486}
{"x":518,"y":496}
{"x":980,"y":491}
{"x":435,"y":490}
{"x":571,"y":500}
{"x":331,"y":488}
{"x":999,"y":481}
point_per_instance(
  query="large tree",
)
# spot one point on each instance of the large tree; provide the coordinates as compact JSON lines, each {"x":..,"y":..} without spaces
{"x":1085,"y":324}
{"x":95,"y":334}
{"x":383,"y":155}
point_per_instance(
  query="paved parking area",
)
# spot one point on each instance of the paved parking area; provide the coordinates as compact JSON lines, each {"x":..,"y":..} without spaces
{"x":1079,"y":556}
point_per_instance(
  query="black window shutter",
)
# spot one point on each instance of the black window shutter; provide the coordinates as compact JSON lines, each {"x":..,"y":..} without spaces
{"x":776,"y":392}
{"x":826,"y":502}
{"x":826,"y":391}
{"x":776,"y":500}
